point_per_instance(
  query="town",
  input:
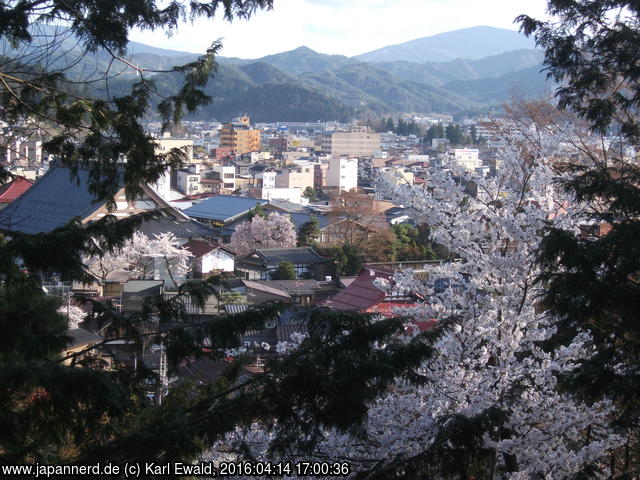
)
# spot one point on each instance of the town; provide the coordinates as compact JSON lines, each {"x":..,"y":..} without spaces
{"x":416,"y":262}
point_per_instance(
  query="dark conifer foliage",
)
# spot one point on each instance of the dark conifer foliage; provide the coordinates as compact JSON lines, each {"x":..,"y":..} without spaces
{"x":591,"y":49}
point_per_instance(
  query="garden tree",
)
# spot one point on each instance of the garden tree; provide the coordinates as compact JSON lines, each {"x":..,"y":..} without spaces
{"x":137,"y":258}
{"x":257,"y":211}
{"x":412,"y":243}
{"x":311,"y":194}
{"x":285,"y":271}
{"x":355,"y":219}
{"x":274,"y":231}
{"x":486,"y":401}
{"x":347,"y":258}
{"x":74,"y":314}
{"x":591,"y":279}
{"x":309,"y":233}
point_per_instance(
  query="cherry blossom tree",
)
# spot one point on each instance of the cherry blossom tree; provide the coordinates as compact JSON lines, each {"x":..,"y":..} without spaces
{"x":489,"y":401}
{"x":274,"y":231}
{"x":75,"y":315}
{"x":140,"y":257}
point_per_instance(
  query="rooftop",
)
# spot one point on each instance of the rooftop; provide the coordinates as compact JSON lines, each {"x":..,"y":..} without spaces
{"x":223,"y":207}
{"x":50,"y":203}
{"x":12,"y":190}
{"x":273,"y":256}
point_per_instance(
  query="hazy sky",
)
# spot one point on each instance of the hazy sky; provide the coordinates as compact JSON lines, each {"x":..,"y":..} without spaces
{"x":346,"y":27}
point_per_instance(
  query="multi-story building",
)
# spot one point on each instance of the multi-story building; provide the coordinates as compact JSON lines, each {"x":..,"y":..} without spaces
{"x":359,"y":142}
{"x":299,"y":176}
{"x":342,"y":173}
{"x":265,"y":179}
{"x":167,"y":143}
{"x":188,"y":181}
{"x":226,"y":173}
{"x":468,"y":158}
{"x":239,"y":136}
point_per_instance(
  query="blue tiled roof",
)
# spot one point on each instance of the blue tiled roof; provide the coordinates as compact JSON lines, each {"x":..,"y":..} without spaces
{"x":299,"y":219}
{"x":50,"y":203}
{"x":222,"y":207}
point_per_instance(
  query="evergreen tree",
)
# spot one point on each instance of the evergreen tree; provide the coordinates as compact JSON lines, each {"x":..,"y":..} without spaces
{"x":285,"y":271}
{"x":591,"y":278}
{"x":309,"y":233}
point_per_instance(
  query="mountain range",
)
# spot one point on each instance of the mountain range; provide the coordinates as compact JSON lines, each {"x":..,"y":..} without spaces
{"x":460,"y":72}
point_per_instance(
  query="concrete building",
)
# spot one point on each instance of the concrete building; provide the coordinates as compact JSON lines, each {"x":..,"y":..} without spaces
{"x":239,"y":136}
{"x":226,"y":173}
{"x":359,"y":142}
{"x":167,"y":143}
{"x":342,"y":173}
{"x":266,"y":179}
{"x":188,"y":181}
{"x":467,"y":158}
{"x":299,"y":176}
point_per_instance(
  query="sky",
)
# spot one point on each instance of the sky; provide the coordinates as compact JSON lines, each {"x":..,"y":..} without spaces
{"x":344,"y":27}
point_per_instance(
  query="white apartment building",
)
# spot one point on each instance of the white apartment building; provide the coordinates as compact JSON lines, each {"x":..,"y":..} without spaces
{"x":467,"y":158}
{"x":226,"y":173}
{"x":260,"y":156}
{"x":188,"y":181}
{"x":265,"y":180}
{"x":342,"y":173}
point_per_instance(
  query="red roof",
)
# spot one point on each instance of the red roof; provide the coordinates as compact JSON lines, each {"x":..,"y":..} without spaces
{"x":199,"y":248}
{"x":362,"y":294}
{"x":13,"y":189}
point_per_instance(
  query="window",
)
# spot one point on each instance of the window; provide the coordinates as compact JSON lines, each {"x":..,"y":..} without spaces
{"x":229,"y":185}
{"x":193,"y":179}
{"x":229,"y":175}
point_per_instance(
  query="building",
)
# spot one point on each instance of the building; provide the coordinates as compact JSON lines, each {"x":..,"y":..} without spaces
{"x":265,"y":179}
{"x":468,"y":158}
{"x":298,"y":176}
{"x":363,"y":295}
{"x":58,"y":197}
{"x":359,"y":142}
{"x":260,"y":264}
{"x":209,"y":258}
{"x":342,"y":173}
{"x":12,"y":190}
{"x":226,"y":173}
{"x":239,"y":136}
{"x":188,"y":181}
{"x":223,"y":210}
{"x":166,"y":144}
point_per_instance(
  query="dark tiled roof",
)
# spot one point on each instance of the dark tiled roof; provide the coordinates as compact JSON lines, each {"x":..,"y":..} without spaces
{"x":266,"y":289}
{"x":273,"y":256}
{"x":299,"y":218}
{"x":50,"y":203}
{"x":361,"y":294}
{"x":181,"y":228}
{"x":222,"y":207}
{"x":292,"y":287}
{"x":81,"y":337}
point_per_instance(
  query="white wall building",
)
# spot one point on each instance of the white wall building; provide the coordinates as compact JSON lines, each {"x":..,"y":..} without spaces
{"x":266,"y":179}
{"x":226,"y":173}
{"x":343,"y":173}
{"x":468,"y":158}
{"x":188,"y":181}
